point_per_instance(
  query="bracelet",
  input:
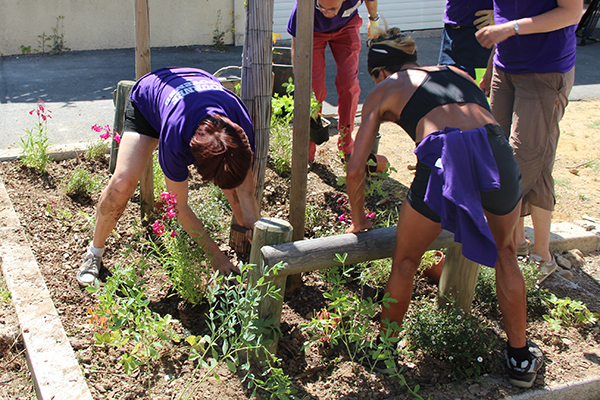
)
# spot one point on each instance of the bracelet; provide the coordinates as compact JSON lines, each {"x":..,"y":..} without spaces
{"x":516,"y":27}
{"x":374,"y":19}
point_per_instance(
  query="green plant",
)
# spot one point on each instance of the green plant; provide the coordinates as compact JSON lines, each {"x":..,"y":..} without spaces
{"x":57,"y":38}
{"x":566,"y":313}
{"x":345,"y":322}
{"x":237,"y":333}
{"x":35,"y":143}
{"x":25,"y":49}
{"x":181,"y":257}
{"x":4,"y":292}
{"x":158,"y":177}
{"x":96,"y":150}
{"x":122,"y":317}
{"x":83,"y":183}
{"x":280,"y":143}
{"x":209,"y":206}
{"x":375,"y":273}
{"x":219,"y":33}
{"x":450,"y":336}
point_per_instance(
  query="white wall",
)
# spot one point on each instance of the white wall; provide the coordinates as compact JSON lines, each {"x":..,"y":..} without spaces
{"x":107,"y":24}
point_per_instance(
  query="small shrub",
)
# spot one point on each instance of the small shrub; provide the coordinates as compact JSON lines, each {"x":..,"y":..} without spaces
{"x":451,"y":336}
{"x":83,"y":183}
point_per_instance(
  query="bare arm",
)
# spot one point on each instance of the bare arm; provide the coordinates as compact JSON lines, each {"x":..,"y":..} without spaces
{"x":243,"y":203}
{"x":355,"y":173}
{"x":568,"y":12}
{"x":192,"y":225}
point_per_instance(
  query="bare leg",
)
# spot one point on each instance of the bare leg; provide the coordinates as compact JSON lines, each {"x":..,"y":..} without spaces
{"x":134,"y":153}
{"x":414,"y":235}
{"x":541,"y":220}
{"x":510,"y":286}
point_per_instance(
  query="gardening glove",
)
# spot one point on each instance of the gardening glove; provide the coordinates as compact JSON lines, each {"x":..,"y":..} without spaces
{"x":486,"y":17}
{"x":373,"y":27}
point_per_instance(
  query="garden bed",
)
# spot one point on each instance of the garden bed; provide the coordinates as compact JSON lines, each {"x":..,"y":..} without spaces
{"x":58,"y":227}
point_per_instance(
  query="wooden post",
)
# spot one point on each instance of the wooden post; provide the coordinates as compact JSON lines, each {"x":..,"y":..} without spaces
{"x":120,"y":99}
{"x":458,"y":280}
{"x":268,"y":231}
{"x":302,"y":92}
{"x":142,"y":67}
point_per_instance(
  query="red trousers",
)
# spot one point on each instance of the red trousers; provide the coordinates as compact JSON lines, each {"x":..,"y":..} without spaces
{"x":345,"y":47}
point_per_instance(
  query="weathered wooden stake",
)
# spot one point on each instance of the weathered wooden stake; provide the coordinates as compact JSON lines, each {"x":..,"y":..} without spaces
{"x":142,"y":67}
{"x":268,"y":231}
{"x":119,"y":99}
{"x":458,"y":280}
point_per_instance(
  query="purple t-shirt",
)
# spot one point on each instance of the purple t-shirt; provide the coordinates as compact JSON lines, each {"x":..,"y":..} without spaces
{"x":174,"y":101}
{"x":323,"y":24}
{"x":462,"y":12}
{"x":539,"y":52}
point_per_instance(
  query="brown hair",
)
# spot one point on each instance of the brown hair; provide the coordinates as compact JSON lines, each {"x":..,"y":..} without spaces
{"x":222,"y":152}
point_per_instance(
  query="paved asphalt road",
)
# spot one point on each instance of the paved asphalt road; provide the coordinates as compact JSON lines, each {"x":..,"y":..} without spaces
{"x":77,"y":86}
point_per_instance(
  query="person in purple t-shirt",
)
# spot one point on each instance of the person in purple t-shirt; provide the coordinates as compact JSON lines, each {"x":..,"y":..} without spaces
{"x":337,"y":23}
{"x":195,"y":121}
{"x":533,"y":74}
{"x":459,"y":47}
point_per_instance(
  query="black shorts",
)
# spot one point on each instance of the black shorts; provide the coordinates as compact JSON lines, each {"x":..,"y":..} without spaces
{"x":497,"y":202}
{"x":136,"y":122}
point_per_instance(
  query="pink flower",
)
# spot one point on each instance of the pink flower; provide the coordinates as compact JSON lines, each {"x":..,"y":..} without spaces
{"x":173,"y":234}
{"x":171,"y":213}
{"x":117,"y":138}
{"x":371,"y":216}
{"x":105,"y":135}
{"x":164,"y":196}
{"x":158,"y":227}
{"x":342,"y":217}
{"x":96,"y":128}
{"x":31,"y":112}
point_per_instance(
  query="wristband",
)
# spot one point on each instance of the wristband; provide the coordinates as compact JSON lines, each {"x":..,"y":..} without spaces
{"x":516,"y":27}
{"x":374,"y":19}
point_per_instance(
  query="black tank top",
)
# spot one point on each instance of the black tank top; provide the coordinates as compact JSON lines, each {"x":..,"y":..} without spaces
{"x":443,"y":86}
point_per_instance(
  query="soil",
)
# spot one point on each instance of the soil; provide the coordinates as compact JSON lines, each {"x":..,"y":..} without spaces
{"x":58,"y":230}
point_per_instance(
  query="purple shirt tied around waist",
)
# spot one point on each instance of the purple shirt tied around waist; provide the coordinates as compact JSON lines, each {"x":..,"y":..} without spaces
{"x":323,"y":24}
{"x":174,"y":101}
{"x":462,"y":12}
{"x":536,"y":53}
{"x":462,"y":165}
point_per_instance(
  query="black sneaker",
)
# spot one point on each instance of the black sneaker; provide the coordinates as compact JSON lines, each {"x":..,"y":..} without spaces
{"x":524,"y":375}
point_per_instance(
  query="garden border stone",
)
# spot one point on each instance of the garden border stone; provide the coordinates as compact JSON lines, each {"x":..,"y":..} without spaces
{"x":54,"y":368}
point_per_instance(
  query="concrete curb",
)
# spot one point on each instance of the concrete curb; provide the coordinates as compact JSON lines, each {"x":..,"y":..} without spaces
{"x":55,"y":371}
{"x":52,"y":362}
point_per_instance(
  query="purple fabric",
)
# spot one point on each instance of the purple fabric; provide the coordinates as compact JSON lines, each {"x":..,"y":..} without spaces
{"x":462,"y":165}
{"x":323,"y":24}
{"x":462,"y":12}
{"x":538,"y":53}
{"x":174,"y":101}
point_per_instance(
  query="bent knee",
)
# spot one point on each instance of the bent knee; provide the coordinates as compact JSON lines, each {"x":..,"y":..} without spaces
{"x":121,"y":187}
